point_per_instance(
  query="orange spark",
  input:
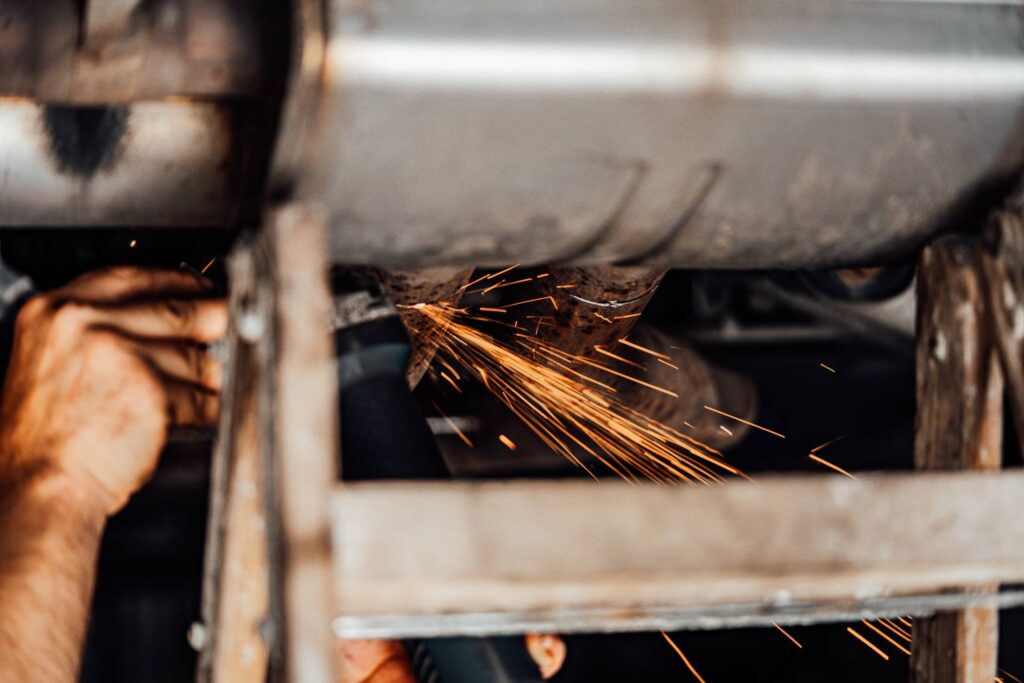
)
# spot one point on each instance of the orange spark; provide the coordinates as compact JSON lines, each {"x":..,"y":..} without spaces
{"x":530,"y":301}
{"x":787,"y":634}
{"x":725,"y":429}
{"x":827,"y":443}
{"x":626,"y":317}
{"x":826,"y":463}
{"x":604,"y":318}
{"x":665,"y":362}
{"x":886,"y":637}
{"x":683,"y":657}
{"x":895,"y":629}
{"x":502,"y":284}
{"x":746,"y":422}
{"x":492,"y":310}
{"x":574,"y":414}
{"x":451,"y":381}
{"x":832,"y":370}
{"x":450,"y":368}
{"x":868,"y":643}
{"x":564,"y":286}
{"x":470,"y":284}
{"x":455,"y":427}
{"x":600,"y":349}
{"x":207,"y":266}
{"x":501,"y":272}
{"x":646,"y":350}
{"x":1010,"y":675}
{"x":509,"y":443}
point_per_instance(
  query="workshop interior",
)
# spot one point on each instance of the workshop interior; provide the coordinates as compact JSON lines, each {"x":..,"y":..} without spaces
{"x":595,"y":278}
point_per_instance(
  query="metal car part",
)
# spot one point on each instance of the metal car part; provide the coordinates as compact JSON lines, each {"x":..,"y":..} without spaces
{"x":739,"y":133}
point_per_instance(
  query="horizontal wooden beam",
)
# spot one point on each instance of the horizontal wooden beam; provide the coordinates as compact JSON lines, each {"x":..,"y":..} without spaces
{"x":549,"y":548}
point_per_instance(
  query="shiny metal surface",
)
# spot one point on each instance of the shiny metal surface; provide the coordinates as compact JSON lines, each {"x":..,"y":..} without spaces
{"x":738,"y":133}
{"x":165,"y":163}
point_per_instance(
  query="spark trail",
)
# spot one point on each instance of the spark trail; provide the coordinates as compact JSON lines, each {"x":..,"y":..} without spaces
{"x":560,"y":397}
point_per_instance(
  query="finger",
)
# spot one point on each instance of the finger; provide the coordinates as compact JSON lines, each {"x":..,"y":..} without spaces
{"x":198,"y":320}
{"x":547,"y":651}
{"x":123,"y":283}
{"x":183,"y":362}
{"x":189,"y":405}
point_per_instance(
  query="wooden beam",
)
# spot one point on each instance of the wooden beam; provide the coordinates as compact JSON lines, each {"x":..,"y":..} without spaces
{"x":545,"y":547}
{"x":236,"y":583}
{"x":304,"y":436}
{"x":959,"y":427}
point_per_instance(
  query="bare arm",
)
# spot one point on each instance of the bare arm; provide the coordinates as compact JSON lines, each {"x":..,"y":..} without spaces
{"x":101,"y":369}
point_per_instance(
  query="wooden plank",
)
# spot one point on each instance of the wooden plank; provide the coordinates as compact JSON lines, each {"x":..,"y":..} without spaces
{"x":959,"y":379}
{"x":551,"y":546}
{"x":305,"y":437}
{"x":236,"y":570}
{"x":959,"y":427}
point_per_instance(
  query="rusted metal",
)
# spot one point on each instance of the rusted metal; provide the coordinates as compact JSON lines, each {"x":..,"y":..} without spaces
{"x":689,"y":133}
{"x":104,"y":52}
{"x":595,"y":307}
{"x":406,"y":287}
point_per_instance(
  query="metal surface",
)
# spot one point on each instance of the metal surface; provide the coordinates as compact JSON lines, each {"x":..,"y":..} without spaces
{"x":410,"y":286}
{"x":167,"y":163}
{"x":731,"y":133}
{"x":119,"y":51}
{"x":594,"y":306}
{"x":614,"y":620}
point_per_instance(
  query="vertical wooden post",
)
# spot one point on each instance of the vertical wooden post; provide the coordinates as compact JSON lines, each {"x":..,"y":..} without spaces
{"x":267,"y":585}
{"x":305,"y":437}
{"x":959,"y":426}
{"x":236,"y":584}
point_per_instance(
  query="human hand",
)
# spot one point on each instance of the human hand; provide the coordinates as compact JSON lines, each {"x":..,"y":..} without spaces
{"x":101,"y":369}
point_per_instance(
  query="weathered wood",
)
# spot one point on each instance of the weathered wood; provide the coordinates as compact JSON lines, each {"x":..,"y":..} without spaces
{"x":552,"y":546}
{"x":959,"y":379}
{"x":305,"y":437}
{"x":241,"y":651}
{"x":959,"y":426}
{"x":235,"y":574}
{"x":1002,"y":265}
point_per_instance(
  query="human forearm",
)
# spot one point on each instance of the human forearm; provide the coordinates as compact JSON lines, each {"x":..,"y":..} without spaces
{"x":49,"y":538}
{"x":100,"y":370}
